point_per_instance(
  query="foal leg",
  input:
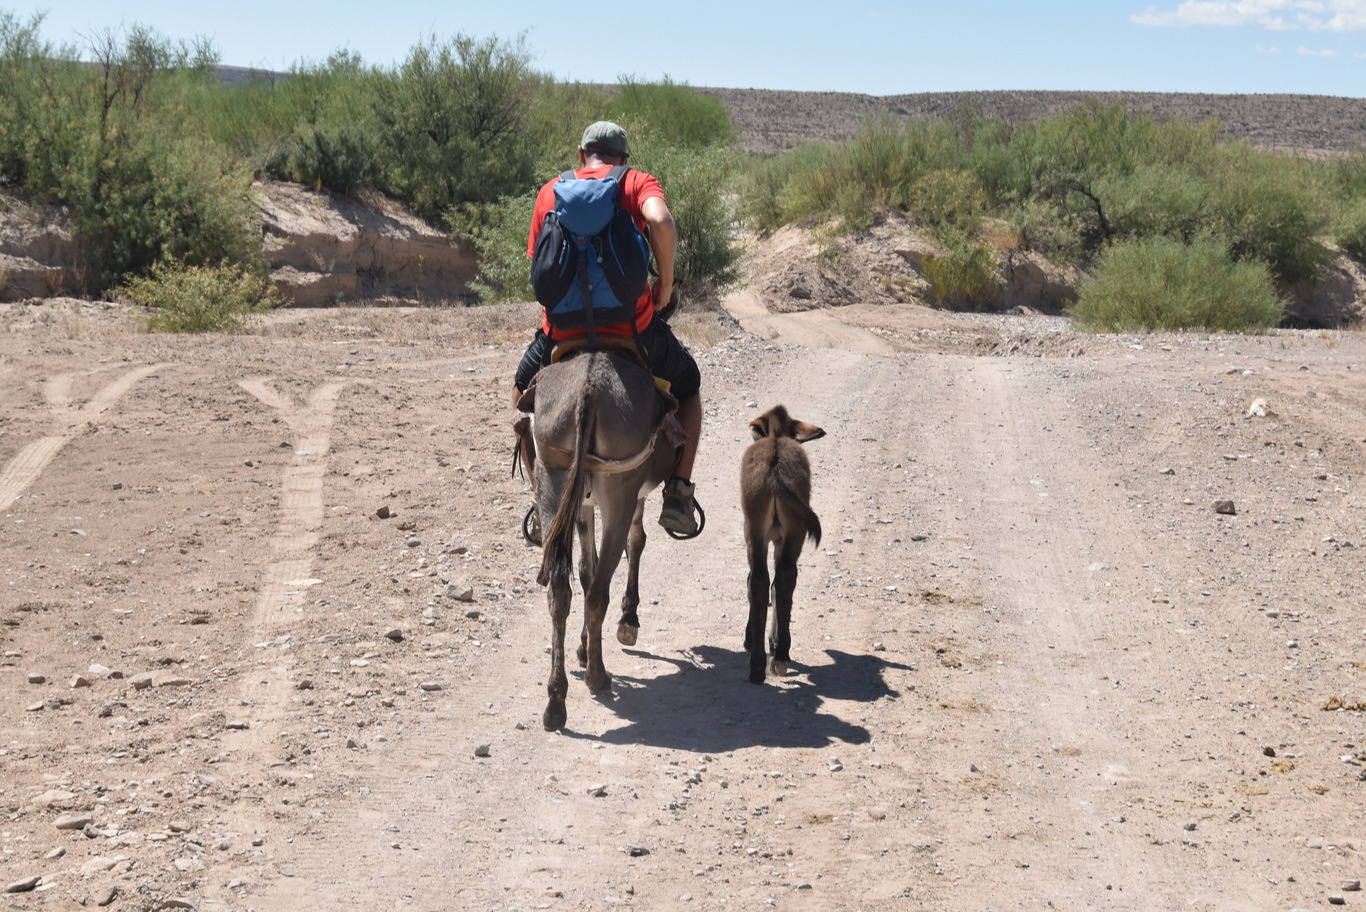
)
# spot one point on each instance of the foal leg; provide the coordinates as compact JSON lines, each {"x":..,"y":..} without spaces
{"x":784,"y":582}
{"x":758,"y":607}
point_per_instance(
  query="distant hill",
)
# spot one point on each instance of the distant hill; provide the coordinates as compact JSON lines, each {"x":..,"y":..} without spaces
{"x":772,"y":121}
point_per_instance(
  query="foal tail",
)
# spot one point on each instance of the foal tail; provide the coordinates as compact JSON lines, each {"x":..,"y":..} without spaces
{"x":811,"y":523}
{"x":557,"y":559}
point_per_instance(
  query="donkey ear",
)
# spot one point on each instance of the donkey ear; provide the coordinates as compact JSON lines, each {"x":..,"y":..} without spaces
{"x":527,"y":403}
{"x":805,"y":432}
{"x":759,"y":427}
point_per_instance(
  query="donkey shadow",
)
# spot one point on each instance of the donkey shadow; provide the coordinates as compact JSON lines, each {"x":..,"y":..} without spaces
{"x":706,"y":705}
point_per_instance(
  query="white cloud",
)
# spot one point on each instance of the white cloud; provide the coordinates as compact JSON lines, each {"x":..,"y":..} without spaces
{"x":1309,"y":52}
{"x":1273,"y":15}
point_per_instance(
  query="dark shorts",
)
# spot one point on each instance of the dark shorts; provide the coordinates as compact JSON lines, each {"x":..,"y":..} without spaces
{"x":669,"y":359}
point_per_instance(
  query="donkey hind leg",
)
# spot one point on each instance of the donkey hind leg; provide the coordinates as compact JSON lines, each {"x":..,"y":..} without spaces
{"x":629,"y":626}
{"x":557,"y":596}
{"x":784,"y":583}
{"x":758,"y":608}
{"x":595,"y":600}
{"x":588,"y":568}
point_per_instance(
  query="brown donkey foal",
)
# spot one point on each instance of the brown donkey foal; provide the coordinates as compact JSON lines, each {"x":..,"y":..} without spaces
{"x":775,"y":494}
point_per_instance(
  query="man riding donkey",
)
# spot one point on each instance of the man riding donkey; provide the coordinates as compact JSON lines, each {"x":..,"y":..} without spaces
{"x":603,"y":153}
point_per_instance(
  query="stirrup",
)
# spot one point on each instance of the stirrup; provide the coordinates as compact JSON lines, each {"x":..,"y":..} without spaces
{"x":531,"y":526}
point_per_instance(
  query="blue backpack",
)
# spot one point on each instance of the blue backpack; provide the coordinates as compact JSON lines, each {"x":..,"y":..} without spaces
{"x":589,"y":250}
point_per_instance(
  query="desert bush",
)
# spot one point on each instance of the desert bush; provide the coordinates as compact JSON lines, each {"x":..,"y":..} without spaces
{"x":108,"y":141}
{"x":948,"y":197}
{"x":1347,"y":175}
{"x":1269,"y":209}
{"x":963,"y":272}
{"x":1045,"y":228}
{"x":760,"y":182}
{"x":198,"y":299}
{"x":1349,"y":232}
{"x":679,"y":114}
{"x":24,"y":62}
{"x":555,"y":121}
{"x":498,"y":231}
{"x":793,"y":187}
{"x":696,"y":183}
{"x":341,"y":159}
{"x":451,"y":123}
{"x":1160,"y":283}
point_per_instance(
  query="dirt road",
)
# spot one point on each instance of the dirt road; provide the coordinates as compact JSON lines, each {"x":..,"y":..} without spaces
{"x":1033,"y":666}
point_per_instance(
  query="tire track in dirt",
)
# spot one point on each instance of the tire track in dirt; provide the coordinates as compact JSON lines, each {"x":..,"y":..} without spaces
{"x":283,"y":585}
{"x":301,"y":505}
{"x":28,"y":463}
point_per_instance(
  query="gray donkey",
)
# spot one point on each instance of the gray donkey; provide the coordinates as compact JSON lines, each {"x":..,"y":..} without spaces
{"x":605,"y":437}
{"x":775,"y":495}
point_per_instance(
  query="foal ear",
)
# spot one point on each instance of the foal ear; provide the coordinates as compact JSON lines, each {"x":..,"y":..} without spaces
{"x":805,"y":432}
{"x":759,"y":427}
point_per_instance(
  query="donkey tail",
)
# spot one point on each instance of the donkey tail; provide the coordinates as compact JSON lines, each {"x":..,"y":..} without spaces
{"x":810,"y":520}
{"x":811,"y":523}
{"x":558,"y":556}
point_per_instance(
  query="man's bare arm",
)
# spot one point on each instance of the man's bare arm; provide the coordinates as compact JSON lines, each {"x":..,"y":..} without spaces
{"x":663,"y":240}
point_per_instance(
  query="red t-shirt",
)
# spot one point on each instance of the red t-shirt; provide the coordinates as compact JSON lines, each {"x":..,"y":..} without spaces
{"x":636,"y":188}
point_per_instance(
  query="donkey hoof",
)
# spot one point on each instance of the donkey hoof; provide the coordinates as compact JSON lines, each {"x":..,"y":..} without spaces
{"x":778,"y":668}
{"x":555,"y":716}
{"x":598,"y":685}
{"x":626,"y":634}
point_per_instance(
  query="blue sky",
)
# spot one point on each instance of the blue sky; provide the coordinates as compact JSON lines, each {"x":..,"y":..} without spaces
{"x":878,"y":47}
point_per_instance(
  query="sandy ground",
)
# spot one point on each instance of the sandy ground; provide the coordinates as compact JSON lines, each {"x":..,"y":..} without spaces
{"x":1034,"y":668}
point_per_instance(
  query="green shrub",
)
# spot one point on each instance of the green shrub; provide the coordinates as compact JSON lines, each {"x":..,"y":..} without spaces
{"x":948,"y":197}
{"x":681,"y":115}
{"x":1160,"y":283}
{"x":498,"y":231}
{"x":964,"y":272}
{"x":1045,"y":228}
{"x":811,"y":185}
{"x":1270,"y":210}
{"x":452,"y":120}
{"x":1350,"y":231}
{"x":198,"y":299}
{"x":1348,"y":175}
{"x":696,"y":184}
{"x":341,"y":159}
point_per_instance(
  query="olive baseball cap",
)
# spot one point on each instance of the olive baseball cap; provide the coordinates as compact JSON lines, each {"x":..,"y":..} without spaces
{"x":605,"y":136}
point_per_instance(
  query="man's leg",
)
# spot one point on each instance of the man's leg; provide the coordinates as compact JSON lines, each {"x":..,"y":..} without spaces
{"x":672,"y":361}
{"x":679,"y":515}
{"x":537,"y":356}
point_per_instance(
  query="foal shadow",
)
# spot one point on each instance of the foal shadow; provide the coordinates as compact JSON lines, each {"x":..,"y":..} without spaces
{"x":707,"y":705}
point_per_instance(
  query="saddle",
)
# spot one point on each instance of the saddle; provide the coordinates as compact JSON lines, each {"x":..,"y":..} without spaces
{"x":524,"y":449}
{"x":621,"y":345}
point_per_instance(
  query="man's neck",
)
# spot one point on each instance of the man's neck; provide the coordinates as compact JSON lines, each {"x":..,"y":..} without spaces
{"x":593,"y":161}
